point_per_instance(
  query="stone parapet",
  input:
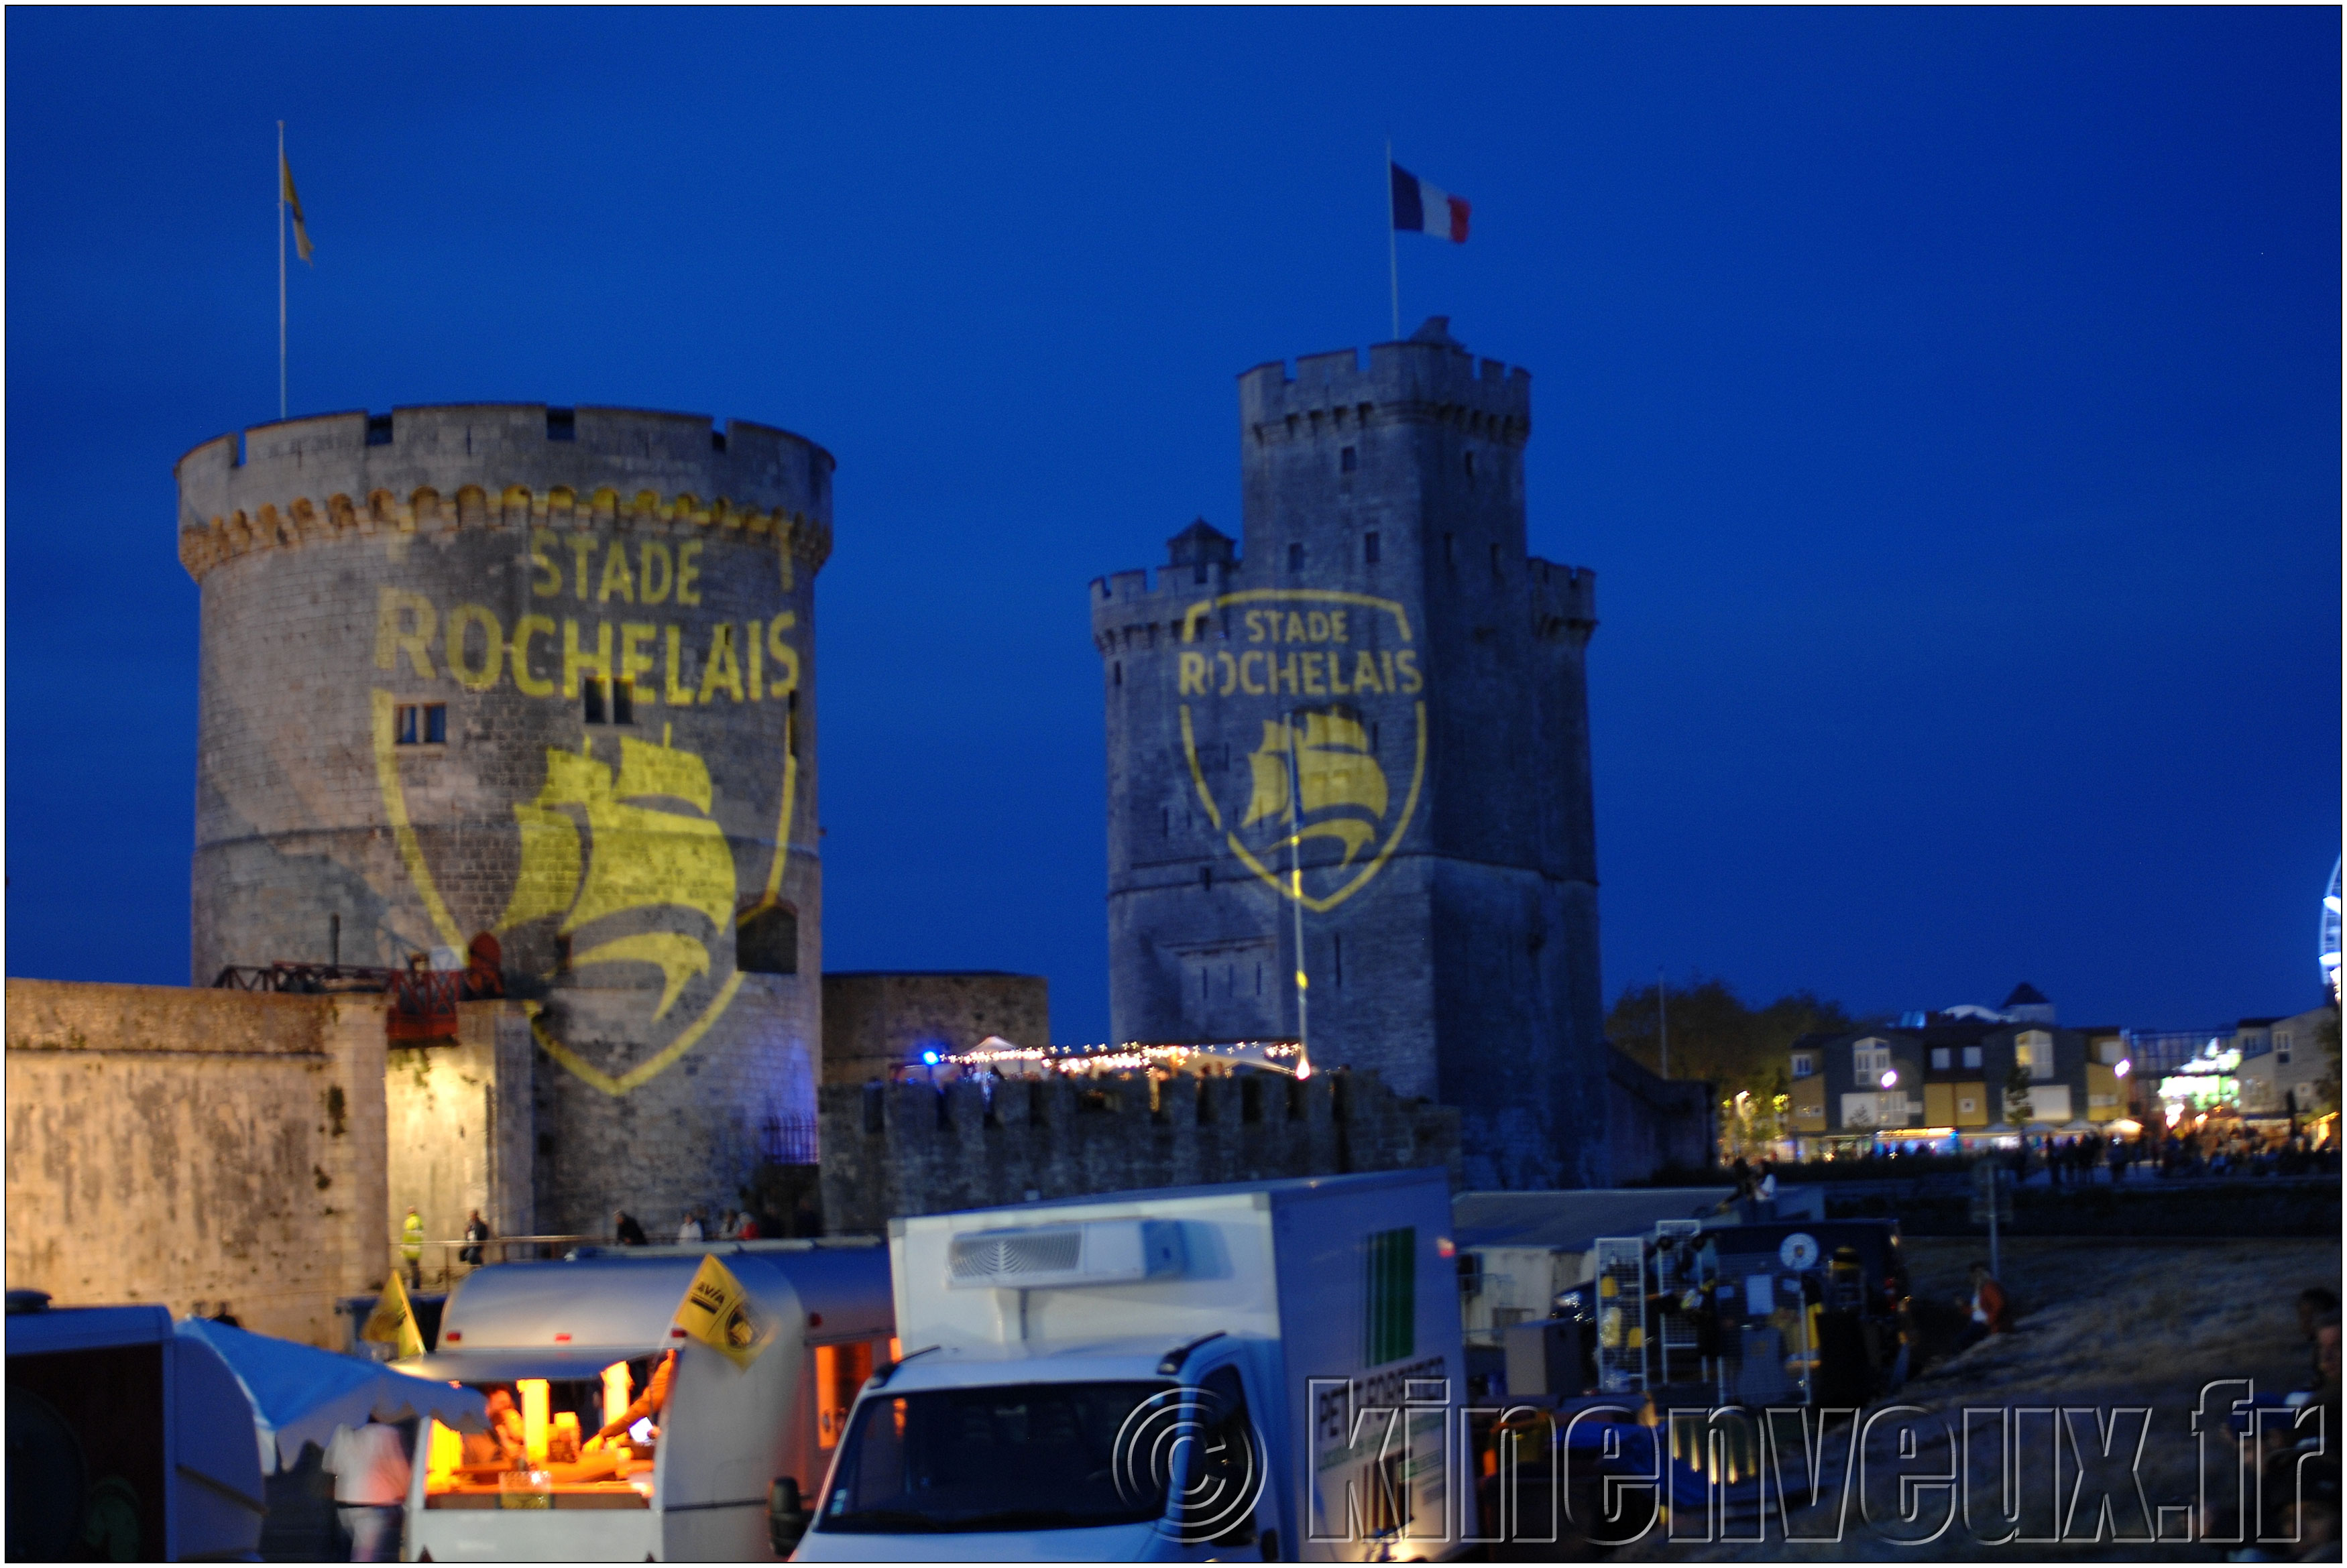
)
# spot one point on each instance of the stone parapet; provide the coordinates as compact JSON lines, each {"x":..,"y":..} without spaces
{"x":184,"y":1146}
{"x":500,"y":465}
{"x":890,"y":1150}
{"x":1422,"y":378}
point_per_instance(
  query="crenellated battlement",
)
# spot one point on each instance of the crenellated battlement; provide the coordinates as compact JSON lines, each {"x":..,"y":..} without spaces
{"x":500,"y":465}
{"x":1564,"y":600}
{"x":894,"y":1149}
{"x":1202,"y":562}
{"x":1427,"y":377}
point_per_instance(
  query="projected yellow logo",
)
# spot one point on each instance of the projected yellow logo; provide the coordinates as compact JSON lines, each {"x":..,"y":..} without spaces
{"x":627,"y":863}
{"x":640,"y":854}
{"x":1339,"y":675}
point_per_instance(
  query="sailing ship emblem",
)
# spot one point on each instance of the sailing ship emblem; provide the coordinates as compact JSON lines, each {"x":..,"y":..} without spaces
{"x":1322,"y":765}
{"x":630,"y":868}
{"x":646,"y":858}
{"x":1322,"y":814}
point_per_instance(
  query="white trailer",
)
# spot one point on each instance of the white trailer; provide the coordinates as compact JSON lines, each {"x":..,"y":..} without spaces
{"x":581,"y":1338}
{"x":1267,"y":1369}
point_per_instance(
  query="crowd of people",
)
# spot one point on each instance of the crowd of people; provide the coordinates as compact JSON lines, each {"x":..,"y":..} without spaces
{"x":694,"y":1224}
{"x":2229,"y":1148}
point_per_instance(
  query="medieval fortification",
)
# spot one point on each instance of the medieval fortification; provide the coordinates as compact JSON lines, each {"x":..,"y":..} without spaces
{"x":528,"y":693}
{"x":1367,"y":721}
{"x":544,"y":674}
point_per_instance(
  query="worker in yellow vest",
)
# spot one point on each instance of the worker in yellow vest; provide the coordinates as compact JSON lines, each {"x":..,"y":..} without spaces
{"x":410,"y":1248}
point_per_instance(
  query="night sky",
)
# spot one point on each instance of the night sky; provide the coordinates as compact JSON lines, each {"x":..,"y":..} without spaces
{"x":1948,"y":402}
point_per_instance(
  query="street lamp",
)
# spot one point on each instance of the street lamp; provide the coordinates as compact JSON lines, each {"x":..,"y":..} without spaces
{"x":1890,"y":1080}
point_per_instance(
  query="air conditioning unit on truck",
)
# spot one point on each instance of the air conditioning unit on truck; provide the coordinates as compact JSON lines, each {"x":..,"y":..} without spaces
{"x":1267,"y":1369}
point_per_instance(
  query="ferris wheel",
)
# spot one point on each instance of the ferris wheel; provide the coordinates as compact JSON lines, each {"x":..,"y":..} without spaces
{"x":2330,"y":944}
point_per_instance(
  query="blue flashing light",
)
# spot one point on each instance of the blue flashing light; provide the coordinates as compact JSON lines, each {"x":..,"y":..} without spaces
{"x":930,"y":1057}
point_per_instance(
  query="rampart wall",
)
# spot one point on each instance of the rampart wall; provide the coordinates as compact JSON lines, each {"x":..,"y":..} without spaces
{"x":178,"y":1146}
{"x":911,"y":1149}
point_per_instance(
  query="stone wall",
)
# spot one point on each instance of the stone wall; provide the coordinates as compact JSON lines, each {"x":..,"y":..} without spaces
{"x":873,"y":1020}
{"x":460,"y":1128}
{"x":1658,"y":1123}
{"x":178,"y":1146}
{"x":911,"y":1149}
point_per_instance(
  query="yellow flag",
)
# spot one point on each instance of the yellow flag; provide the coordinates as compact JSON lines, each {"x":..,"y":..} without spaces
{"x":716,"y":1311}
{"x":392,"y":1322}
{"x":301,"y":229}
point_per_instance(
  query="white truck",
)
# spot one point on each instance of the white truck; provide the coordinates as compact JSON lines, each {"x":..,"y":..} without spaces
{"x":1267,"y":1369}
{"x":574,"y":1344}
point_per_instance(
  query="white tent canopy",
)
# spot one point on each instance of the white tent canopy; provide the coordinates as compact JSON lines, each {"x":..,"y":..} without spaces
{"x":300,"y":1395}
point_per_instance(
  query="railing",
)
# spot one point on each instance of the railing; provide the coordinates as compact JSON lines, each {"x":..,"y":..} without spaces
{"x":787,"y":1140}
{"x":440,"y":1264}
{"x":423,"y":1005}
{"x":305,"y":979}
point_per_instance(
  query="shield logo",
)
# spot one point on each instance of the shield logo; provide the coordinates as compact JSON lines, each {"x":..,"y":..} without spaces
{"x":1320,"y":694}
{"x":625,"y":863}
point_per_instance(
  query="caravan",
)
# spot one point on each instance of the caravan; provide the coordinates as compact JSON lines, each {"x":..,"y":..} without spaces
{"x":565,"y":1348}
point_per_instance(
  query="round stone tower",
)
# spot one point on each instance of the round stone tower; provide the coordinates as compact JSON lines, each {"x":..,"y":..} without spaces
{"x":543,"y":674}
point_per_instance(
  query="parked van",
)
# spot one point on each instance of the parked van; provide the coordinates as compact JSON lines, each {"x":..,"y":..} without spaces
{"x":125,"y":1439}
{"x":1267,"y":1369}
{"x":574,"y":1343}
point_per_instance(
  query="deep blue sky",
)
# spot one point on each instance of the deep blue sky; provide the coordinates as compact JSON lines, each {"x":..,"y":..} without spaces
{"x":1949,"y":402}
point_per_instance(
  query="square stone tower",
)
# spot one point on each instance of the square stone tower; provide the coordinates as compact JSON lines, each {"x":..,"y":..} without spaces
{"x":1369,"y":726}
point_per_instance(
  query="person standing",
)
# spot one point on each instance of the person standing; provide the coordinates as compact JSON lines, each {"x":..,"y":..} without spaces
{"x":370,"y":1471}
{"x":627,"y":1231}
{"x":1991,"y":1313}
{"x":477,"y":1231}
{"x":410,"y":1248}
{"x":689,"y":1231}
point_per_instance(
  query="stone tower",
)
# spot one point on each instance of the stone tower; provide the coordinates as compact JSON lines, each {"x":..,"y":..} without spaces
{"x":1375,"y":716}
{"x":544,"y":674}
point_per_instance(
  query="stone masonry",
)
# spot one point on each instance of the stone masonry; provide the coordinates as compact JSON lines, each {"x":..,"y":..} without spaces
{"x":460,"y":1125}
{"x":178,"y":1146}
{"x":908,"y":1148}
{"x":1376,"y":711}
{"x":544,"y":674}
{"x":873,"y":1021}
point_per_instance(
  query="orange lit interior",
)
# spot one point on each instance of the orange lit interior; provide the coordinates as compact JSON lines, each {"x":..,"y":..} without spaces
{"x":554,"y":1437}
{"x":839,"y":1371}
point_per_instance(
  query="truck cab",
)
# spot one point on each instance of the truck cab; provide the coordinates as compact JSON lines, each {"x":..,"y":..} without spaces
{"x":1068,"y":1455}
{"x":1258,"y":1372}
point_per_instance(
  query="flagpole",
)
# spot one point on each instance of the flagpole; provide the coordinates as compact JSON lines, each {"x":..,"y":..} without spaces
{"x":1295,"y":885}
{"x":1393,"y":252}
{"x":281,"y":268}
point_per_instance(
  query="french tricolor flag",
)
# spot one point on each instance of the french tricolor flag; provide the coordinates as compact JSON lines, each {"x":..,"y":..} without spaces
{"x":1420,"y":208}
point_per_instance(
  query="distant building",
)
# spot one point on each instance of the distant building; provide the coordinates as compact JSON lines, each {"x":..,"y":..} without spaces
{"x":1951,"y":1074}
{"x":2285,"y":1067}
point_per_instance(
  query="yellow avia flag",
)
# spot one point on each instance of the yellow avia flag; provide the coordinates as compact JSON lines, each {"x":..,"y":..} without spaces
{"x":392,"y":1322}
{"x":301,"y":229}
{"x":716,"y":1311}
